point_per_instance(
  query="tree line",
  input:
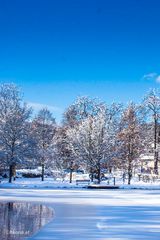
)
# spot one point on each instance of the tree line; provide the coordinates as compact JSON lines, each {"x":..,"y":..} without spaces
{"x":93,"y":135}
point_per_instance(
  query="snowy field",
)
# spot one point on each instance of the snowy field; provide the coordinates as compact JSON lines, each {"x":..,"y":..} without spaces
{"x":87,"y":214}
{"x":50,"y":183}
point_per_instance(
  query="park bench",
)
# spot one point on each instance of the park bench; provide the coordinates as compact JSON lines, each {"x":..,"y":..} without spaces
{"x":82,"y":181}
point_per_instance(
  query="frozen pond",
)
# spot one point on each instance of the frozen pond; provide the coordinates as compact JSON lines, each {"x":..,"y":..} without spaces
{"x":93,"y":214}
{"x":19,"y":220}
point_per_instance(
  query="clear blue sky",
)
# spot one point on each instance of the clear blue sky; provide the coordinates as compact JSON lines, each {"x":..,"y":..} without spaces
{"x":58,"y":49}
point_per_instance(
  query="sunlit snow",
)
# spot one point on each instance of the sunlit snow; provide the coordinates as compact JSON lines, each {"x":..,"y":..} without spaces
{"x":87,"y":214}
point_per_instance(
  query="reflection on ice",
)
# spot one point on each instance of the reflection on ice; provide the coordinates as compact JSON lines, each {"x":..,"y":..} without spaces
{"x":19,"y":220}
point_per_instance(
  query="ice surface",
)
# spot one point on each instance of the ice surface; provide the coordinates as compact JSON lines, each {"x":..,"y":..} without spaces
{"x":92,"y":214}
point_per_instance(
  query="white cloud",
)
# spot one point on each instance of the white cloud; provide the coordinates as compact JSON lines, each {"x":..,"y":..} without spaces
{"x":158,"y":79}
{"x":39,"y":106}
{"x":152,"y":76}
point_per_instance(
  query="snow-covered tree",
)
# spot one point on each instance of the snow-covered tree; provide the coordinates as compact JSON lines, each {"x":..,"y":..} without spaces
{"x":85,"y":143}
{"x":13,"y":127}
{"x":129,"y":139}
{"x":83,"y":108}
{"x":43,"y":130}
{"x":152,"y":103}
{"x":63,"y":154}
{"x":92,"y":139}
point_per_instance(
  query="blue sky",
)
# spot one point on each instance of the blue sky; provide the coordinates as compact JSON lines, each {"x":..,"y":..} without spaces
{"x":57,"y":50}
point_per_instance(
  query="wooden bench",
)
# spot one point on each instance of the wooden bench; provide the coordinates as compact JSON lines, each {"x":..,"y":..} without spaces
{"x":81,"y":181}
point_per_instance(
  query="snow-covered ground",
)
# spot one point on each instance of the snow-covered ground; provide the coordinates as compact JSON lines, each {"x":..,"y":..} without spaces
{"x":91,"y":214}
{"x":50,"y":183}
{"x":37,"y":183}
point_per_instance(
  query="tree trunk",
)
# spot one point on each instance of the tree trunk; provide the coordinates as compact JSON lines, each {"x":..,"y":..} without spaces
{"x":129,"y":178}
{"x":124,"y":177}
{"x":14,"y":172}
{"x":156,"y":163}
{"x":155,"y":147}
{"x":10,"y":173}
{"x":99,"y":173}
{"x":92,"y":177}
{"x":43,"y":172}
{"x":70,"y":176}
{"x":129,"y":172}
{"x":91,"y":174}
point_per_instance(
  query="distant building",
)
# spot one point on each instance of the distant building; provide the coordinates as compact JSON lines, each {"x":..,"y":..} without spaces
{"x":147,"y":163}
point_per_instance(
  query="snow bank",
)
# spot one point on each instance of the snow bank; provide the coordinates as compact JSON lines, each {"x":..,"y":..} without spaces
{"x":50,"y":183}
